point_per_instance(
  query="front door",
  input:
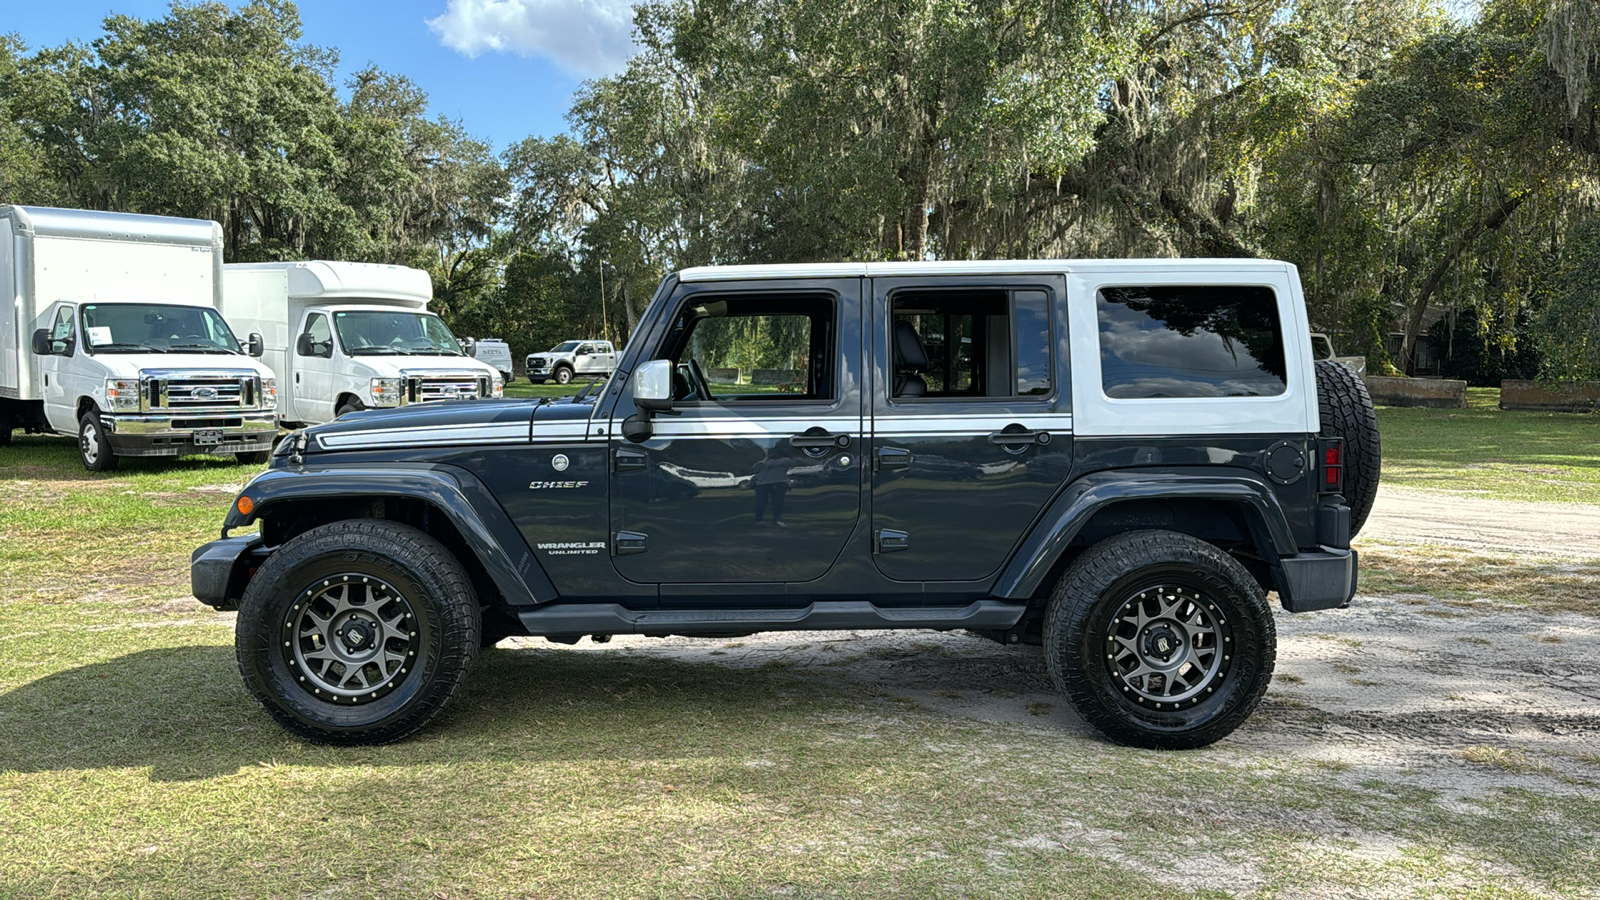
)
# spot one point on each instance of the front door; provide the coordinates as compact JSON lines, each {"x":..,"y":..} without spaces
{"x":57,"y":369}
{"x":755,"y":479}
{"x":312,"y":391}
{"x":971,"y":417}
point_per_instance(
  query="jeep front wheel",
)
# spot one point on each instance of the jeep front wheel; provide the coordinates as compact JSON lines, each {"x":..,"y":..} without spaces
{"x":1160,"y":640}
{"x":357,"y":632}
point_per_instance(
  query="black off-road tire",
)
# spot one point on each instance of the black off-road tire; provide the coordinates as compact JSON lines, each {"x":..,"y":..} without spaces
{"x":1346,"y":411}
{"x":1203,"y":607}
{"x":424,"y":620}
{"x":562,"y":375}
{"x":93,"y":447}
{"x":253,"y":457}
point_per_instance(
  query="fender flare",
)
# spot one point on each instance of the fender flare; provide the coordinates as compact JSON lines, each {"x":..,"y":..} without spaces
{"x":463,"y":499}
{"x":1086,"y":496}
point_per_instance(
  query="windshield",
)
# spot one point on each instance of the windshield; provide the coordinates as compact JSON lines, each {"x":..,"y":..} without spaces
{"x":395,"y":334}
{"x":155,"y":328}
{"x":568,"y":347}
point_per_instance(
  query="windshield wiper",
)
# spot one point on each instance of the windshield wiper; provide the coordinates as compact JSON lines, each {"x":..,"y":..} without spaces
{"x":125,"y":345}
{"x":203,"y":348}
{"x":376,"y":351}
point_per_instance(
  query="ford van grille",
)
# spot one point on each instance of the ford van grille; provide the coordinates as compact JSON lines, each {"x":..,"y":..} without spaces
{"x":432,"y":390}
{"x":202,"y":393}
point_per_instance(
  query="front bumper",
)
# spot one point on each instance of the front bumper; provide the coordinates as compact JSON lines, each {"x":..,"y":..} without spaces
{"x":220,"y":570}
{"x":241,"y":431}
{"x":1325,"y":579}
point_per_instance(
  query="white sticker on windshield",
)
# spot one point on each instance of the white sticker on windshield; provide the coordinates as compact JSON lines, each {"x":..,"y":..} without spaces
{"x":100,"y":334}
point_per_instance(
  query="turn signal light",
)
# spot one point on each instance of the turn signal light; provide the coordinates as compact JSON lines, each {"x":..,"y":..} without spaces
{"x":246,"y":506}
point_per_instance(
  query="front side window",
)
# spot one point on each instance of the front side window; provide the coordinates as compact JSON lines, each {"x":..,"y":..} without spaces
{"x":971,"y":344}
{"x":317,"y":339}
{"x":1190,"y":341}
{"x":394,"y":334}
{"x":62,"y":331}
{"x":156,"y":328}
{"x":751,"y":348}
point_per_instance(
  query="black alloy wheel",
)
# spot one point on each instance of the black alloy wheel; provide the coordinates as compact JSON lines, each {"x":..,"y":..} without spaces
{"x":357,"y":632}
{"x":1160,"y":640}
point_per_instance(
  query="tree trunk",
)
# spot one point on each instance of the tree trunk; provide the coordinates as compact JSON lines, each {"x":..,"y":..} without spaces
{"x":1419,"y":309}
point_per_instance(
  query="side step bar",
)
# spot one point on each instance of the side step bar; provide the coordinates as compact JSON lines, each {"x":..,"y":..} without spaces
{"x":827,"y":615}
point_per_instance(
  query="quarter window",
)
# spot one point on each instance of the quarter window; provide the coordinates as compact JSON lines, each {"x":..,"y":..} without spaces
{"x":1190,"y":341}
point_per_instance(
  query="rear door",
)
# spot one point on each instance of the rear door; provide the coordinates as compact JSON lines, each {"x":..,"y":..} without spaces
{"x":753,"y":482}
{"x":971,"y":419}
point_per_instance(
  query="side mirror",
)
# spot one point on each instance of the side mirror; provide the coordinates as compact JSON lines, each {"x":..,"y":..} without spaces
{"x":469,"y":347}
{"x":305,"y":346}
{"x":256,"y":346}
{"x":41,"y":342}
{"x":652,"y":385}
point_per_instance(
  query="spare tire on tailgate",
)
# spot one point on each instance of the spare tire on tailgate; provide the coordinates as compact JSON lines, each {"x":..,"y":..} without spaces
{"x":1346,"y":411}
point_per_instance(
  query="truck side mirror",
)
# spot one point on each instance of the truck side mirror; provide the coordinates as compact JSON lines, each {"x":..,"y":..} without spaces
{"x":305,"y":346}
{"x":652,"y":393}
{"x":256,"y":346}
{"x":41,"y":342}
{"x":470,"y":347}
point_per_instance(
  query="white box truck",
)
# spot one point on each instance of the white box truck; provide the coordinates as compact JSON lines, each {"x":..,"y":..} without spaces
{"x":109,"y":330}
{"x":346,"y":336}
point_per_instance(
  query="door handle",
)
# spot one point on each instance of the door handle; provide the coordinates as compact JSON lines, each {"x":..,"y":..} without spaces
{"x":893,"y":458}
{"x":1018,"y":436}
{"x":627,"y":459}
{"x":818,"y":436}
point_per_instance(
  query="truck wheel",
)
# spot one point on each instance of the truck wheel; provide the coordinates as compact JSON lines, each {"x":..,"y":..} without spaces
{"x":357,"y":632}
{"x":349,"y":406}
{"x":1160,"y":640}
{"x":93,"y":448}
{"x":1346,"y":411}
{"x":253,"y":457}
{"x":563,"y":375}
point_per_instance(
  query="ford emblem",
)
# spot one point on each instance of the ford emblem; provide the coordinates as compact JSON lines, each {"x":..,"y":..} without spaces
{"x":205,"y":393}
{"x":451,"y":392}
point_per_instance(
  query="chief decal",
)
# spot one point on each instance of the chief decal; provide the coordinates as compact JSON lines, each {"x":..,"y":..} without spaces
{"x":555,"y":485}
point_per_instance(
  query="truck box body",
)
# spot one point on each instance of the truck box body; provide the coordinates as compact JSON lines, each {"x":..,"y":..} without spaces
{"x":283,"y":302}
{"x":103,"y":280}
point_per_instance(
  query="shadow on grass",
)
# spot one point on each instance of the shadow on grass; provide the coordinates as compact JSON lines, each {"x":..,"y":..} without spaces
{"x":183,"y":713}
{"x":56,"y":458}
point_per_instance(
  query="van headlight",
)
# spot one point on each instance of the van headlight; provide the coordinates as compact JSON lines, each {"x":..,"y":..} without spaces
{"x":387,"y":391}
{"x":499,"y":389}
{"x":269,"y":393}
{"x":122,"y":394}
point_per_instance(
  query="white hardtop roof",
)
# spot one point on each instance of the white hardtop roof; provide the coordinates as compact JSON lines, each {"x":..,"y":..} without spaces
{"x":968,"y":267}
{"x":45,"y":221}
{"x":328,"y":280}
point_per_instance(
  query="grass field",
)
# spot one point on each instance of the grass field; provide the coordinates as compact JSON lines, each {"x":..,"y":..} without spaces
{"x":133,"y":763}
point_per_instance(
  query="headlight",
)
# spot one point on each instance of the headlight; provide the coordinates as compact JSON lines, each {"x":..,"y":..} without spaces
{"x":122,"y":394}
{"x":387,"y":391}
{"x":499,"y":387}
{"x":269,"y":393}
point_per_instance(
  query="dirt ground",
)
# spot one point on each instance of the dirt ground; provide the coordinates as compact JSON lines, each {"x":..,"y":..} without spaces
{"x":1569,"y":531}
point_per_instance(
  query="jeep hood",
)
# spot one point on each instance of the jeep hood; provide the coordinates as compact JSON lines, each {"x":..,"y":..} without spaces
{"x":451,"y":424}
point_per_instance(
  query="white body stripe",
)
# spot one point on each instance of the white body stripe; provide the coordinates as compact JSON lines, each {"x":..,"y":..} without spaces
{"x":1059,"y":423}
{"x":436,"y":436}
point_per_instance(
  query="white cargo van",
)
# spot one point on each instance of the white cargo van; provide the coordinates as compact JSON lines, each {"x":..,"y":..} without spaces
{"x":109,"y":330}
{"x":346,"y":336}
{"x":493,"y":351}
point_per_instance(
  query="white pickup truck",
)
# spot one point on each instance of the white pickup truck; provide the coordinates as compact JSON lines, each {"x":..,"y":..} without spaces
{"x":109,"y":331}
{"x":345,"y":336}
{"x":572,"y":359}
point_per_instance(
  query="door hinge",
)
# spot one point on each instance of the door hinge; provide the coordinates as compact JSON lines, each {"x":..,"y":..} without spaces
{"x":627,"y":459}
{"x":629,"y":542}
{"x":890,"y":540}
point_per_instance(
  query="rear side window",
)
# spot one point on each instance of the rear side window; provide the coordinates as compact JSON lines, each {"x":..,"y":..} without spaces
{"x":1190,"y":341}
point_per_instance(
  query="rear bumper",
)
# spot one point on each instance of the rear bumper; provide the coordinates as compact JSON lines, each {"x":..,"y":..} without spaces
{"x":219,"y":571}
{"x":1325,"y":579}
{"x":245,"y":431}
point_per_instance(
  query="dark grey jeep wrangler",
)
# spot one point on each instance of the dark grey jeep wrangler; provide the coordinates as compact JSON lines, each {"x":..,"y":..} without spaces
{"x":1115,"y":459}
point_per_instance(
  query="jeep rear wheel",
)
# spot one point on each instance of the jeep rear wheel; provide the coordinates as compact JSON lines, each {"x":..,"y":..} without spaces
{"x":357,"y":632}
{"x":1160,"y":640}
{"x":1346,"y":411}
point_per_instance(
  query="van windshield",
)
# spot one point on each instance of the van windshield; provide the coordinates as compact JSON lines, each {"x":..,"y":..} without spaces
{"x":155,"y":328}
{"x":395,"y":334}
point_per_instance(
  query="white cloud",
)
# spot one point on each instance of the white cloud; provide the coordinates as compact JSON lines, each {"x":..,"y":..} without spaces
{"x":587,"y":38}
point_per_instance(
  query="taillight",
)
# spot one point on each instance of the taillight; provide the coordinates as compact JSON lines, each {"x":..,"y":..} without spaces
{"x":1332,"y":465}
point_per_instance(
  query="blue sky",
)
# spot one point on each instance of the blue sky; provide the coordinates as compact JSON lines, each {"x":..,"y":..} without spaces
{"x":505,"y":68}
